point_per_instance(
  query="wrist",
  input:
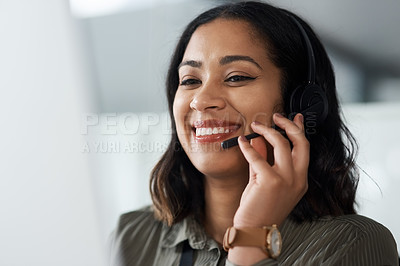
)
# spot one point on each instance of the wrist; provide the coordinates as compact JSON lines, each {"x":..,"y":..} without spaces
{"x":246,"y":220}
{"x":266,"y":239}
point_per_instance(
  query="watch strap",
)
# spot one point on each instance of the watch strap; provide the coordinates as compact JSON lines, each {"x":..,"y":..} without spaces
{"x":255,"y":237}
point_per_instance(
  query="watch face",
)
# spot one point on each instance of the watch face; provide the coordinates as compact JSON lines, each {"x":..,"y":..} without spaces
{"x":275,"y":242}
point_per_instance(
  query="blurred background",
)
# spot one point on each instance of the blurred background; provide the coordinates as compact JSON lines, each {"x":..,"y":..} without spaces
{"x":83,"y":112}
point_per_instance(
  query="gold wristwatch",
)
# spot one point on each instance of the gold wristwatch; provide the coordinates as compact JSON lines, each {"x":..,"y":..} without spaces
{"x":268,"y":238}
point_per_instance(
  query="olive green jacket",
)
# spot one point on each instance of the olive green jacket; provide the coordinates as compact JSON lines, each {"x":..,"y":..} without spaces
{"x":142,"y":240}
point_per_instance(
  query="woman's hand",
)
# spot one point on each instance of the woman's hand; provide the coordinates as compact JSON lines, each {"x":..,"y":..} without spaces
{"x":273,"y":191}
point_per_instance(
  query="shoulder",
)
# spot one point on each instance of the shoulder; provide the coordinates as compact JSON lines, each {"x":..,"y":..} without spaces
{"x":359,"y":225}
{"x":343,"y":240}
{"x":134,"y":231}
{"x":355,"y":229}
{"x":354,"y":225}
{"x":138,"y":220}
{"x":364,"y":230}
{"x":371,"y":242}
{"x":140,"y":225}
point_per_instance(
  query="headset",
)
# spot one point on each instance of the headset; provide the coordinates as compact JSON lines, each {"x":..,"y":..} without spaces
{"x":309,"y":99}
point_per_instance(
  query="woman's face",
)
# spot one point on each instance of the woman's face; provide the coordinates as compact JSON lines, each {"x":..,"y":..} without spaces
{"x":226,"y":82}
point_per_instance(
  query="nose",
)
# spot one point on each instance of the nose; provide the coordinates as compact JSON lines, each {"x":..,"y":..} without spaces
{"x":208,"y":97}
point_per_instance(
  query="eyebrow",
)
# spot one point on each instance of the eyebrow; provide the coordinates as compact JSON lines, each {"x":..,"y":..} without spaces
{"x":191,"y":63}
{"x":223,"y":61}
{"x":232,"y":58}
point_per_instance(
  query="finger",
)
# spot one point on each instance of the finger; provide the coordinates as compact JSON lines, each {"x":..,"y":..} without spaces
{"x":259,"y":146}
{"x":301,"y":147}
{"x":301,"y":153}
{"x":299,"y":121}
{"x":255,"y":159}
{"x":282,"y":151}
{"x":294,"y":130}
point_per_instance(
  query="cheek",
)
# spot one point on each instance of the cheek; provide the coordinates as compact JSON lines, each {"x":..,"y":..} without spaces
{"x":180,"y":110}
{"x":262,"y":113}
{"x":260,"y":110}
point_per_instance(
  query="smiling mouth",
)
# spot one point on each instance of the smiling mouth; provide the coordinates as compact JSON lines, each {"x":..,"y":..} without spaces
{"x":213,"y":130}
{"x":206,"y":131}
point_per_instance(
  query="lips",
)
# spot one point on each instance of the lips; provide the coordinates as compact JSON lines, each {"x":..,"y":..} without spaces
{"x":213,"y":130}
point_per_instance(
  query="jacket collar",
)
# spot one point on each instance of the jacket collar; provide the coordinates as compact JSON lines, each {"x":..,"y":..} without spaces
{"x":188,"y":229}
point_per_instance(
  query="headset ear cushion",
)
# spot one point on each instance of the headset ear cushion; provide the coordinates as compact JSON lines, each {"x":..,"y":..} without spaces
{"x":311,"y":101}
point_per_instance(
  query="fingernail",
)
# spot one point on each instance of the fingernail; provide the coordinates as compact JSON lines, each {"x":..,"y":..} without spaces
{"x":301,"y":118}
{"x":256,"y":123}
{"x":242,"y":138}
{"x":279,"y":115}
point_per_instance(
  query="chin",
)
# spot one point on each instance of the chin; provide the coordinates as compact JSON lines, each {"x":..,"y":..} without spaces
{"x":213,"y":161}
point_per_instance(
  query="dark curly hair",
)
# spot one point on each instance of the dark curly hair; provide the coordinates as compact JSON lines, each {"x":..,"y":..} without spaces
{"x":177,"y":187}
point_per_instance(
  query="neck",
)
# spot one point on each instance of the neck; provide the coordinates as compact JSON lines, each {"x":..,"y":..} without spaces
{"x":222,"y":199}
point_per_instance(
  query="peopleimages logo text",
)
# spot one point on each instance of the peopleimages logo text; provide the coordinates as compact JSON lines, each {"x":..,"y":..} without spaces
{"x":124,"y":123}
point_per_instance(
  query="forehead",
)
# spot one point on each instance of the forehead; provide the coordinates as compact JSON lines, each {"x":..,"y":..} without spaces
{"x":225,"y":36}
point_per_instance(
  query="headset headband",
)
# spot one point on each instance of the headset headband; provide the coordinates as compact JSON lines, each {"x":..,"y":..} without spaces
{"x":310,"y":52}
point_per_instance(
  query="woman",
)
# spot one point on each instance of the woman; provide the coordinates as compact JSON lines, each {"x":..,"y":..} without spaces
{"x":233,"y":73}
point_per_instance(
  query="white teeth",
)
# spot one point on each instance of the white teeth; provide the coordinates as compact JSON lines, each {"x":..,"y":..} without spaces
{"x":211,"y":130}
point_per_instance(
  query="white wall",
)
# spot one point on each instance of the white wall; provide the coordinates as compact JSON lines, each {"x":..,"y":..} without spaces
{"x":48,"y":213}
{"x":376,"y":127}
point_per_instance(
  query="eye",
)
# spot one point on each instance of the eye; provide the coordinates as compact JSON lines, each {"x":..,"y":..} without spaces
{"x":189,"y":82}
{"x":239,"y":78}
